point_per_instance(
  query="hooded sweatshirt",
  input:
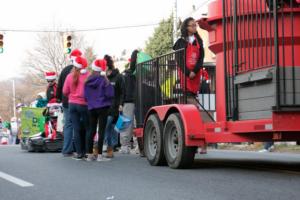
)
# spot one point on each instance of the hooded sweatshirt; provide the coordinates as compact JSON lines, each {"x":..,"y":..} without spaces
{"x":75,"y":94}
{"x":98,"y":92}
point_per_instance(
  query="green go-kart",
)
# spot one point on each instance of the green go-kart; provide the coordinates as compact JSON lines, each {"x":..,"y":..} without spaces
{"x":39,"y":132}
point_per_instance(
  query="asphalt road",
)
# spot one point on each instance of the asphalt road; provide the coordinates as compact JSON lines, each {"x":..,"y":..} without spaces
{"x":219,"y":175}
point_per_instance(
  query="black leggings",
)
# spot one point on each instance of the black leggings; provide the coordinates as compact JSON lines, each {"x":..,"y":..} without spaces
{"x":98,"y":118}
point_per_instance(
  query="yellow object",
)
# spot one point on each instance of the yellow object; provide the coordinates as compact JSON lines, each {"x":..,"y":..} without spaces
{"x":167,"y":87}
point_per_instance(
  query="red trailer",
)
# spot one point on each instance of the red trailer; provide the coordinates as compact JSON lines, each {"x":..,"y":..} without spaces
{"x":257,"y":81}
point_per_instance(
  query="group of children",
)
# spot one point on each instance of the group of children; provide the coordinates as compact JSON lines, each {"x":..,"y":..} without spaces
{"x":93,"y":95}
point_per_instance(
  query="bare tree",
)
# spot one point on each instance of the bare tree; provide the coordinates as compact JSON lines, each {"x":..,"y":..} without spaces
{"x":49,"y":54}
{"x":90,"y":55}
{"x":26,"y":92}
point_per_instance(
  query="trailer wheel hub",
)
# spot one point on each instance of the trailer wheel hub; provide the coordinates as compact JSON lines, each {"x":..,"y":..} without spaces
{"x":153,"y":141}
{"x":173,"y":146}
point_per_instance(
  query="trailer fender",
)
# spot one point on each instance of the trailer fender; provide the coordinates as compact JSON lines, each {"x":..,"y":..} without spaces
{"x":191,"y":119}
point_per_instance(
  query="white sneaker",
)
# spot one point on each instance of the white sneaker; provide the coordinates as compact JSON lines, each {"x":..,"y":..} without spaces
{"x":137,"y":150}
{"x":101,"y":158}
{"x":263,"y":151}
{"x":124,"y":150}
{"x":90,"y":158}
{"x":271,"y":148}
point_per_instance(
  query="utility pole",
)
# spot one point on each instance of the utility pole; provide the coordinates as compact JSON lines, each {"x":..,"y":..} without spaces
{"x":14,"y":96}
{"x":175,"y":22}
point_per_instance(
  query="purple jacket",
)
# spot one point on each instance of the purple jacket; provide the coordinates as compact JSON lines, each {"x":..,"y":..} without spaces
{"x":98,"y":92}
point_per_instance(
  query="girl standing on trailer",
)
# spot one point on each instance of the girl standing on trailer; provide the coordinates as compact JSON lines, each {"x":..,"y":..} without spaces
{"x":194,"y":56}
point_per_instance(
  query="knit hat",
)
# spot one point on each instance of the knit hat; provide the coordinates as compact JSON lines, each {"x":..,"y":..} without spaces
{"x":50,"y":75}
{"x":80,"y":63}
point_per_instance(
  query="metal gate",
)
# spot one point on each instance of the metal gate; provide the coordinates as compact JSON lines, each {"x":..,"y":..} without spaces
{"x":161,"y":81}
{"x":258,"y":35}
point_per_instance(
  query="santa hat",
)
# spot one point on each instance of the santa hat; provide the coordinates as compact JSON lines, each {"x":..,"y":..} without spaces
{"x":75,"y":53}
{"x":50,"y":75}
{"x":99,"y":65}
{"x":80,"y":63}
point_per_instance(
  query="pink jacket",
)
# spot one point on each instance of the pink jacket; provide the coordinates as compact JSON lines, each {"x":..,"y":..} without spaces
{"x":75,"y":94}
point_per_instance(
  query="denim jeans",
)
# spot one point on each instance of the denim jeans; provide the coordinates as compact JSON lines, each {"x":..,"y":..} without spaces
{"x":267,"y":145}
{"x":80,"y":123}
{"x":68,"y":133}
{"x":111,"y":136}
{"x":12,"y":139}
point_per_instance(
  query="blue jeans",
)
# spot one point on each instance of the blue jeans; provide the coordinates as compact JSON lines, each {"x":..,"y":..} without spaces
{"x":267,"y":145}
{"x":111,"y":136}
{"x":68,"y":133}
{"x":80,"y":123}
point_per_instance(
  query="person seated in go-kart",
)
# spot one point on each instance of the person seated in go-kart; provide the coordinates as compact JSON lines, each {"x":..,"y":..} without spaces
{"x":51,"y":114}
{"x":52,"y":87}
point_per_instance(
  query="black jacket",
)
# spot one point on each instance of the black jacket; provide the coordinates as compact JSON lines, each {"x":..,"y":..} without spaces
{"x":181,"y":43}
{"x":61,"y":81}
{"x":129,"y":86}
{"x":130,"y":80}
{"x":51,"y":93}
{"x":116,"y":80}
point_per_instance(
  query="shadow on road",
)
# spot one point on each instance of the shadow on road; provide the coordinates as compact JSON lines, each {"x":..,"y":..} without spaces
{"x":253,"y":164}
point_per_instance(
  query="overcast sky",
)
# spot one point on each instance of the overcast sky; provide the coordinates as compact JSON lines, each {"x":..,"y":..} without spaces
{"x":41,"y":15}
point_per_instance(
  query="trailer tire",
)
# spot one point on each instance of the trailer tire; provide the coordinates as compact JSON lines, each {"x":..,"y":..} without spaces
{"x":178,"y":155}
{"x":153,"y":141}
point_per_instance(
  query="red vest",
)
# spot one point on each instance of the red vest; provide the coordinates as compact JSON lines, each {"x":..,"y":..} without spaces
{"x":192,"y":56}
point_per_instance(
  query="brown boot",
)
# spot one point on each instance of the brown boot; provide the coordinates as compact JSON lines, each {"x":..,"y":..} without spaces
{"x":110,"y":152}
{"x":95,"y":151}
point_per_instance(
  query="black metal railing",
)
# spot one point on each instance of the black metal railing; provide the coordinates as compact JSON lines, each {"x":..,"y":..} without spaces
{"x":257,"y":35}
{"x":161,"y":81}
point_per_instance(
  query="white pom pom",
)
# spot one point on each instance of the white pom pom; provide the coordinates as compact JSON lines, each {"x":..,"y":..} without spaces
{"x":83,"y":71}
{"x":102,"y":73}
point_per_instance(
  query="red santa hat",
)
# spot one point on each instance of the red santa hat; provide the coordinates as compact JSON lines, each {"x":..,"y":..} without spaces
{"x":99,"y":65}
{"x":80,"y":63}
{"x":75,"y":53}
{"x":50,"y":75}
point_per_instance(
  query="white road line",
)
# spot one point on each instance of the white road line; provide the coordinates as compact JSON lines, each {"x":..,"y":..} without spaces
{"x":15,"y":180}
